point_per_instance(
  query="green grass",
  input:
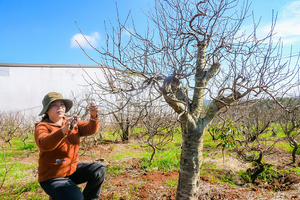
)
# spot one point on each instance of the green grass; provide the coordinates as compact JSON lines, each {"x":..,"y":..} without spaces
{"x":8,"y":157}
{"x":20,"y":183}
{"x":135,"y":146}
{"x":129,"y":154}
{"x":211,"y":170}
{"x":113,"y":170}
{"x":19,"y":145}
{"x":18,"y":170}
{"x":121,"y":156}
{"x":137,"y":130}
{"x":205,"y":154}
{"x":172,"y":182}
{"x":18,"y":189}
{"x":208,"y":141}
{"x":166,"y":159}
{"x":177,"y":136}
{"x":297,"y":170}
{"x":28,"y":146}
{"x":118,"y":157}
{"x":163,"y":160}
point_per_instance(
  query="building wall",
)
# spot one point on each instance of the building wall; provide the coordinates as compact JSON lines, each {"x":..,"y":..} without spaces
{"x":22,"y":88}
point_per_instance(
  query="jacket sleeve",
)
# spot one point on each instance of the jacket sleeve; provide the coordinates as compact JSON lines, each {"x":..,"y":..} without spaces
{"x":88,"y":128}
{"x":45,"y":140}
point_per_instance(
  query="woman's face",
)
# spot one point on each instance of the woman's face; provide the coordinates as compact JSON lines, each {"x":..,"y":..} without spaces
{"x":56,"y":110}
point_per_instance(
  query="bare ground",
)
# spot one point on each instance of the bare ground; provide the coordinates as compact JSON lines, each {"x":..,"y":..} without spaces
{"x":134,"y":182}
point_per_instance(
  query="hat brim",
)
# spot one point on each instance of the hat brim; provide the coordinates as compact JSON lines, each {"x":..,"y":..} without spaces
{"x":68,"y":103}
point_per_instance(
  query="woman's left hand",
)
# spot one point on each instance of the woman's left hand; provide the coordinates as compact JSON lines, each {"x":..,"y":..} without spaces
{"x":93,"y":110}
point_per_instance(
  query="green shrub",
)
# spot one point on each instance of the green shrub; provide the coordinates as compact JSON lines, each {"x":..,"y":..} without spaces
{"x":28,"y":146}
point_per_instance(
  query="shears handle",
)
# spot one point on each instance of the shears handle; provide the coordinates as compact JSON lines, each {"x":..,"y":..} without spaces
{"x":72,"y":123}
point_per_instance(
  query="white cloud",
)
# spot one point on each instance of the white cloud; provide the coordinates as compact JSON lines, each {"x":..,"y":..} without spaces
{"x":125,"y":32}
{"x":288,"y":24}
{"x":93,"y":40}
{"x":291,"y":9}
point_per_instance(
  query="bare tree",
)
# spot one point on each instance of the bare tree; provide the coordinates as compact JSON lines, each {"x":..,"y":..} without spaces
{"x":196,"y":49}
{"x":160,"y":127}
{"x":9,"y":125}
{"x":289,"y":123}
{"x":257,"y":120}
{"x":5,"y":164}
{"x":127,"y":117}
{"x":7,"y":130}
{"x":26,"y":128}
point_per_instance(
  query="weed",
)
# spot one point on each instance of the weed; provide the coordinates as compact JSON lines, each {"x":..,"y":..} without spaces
{"x":28,"y":146}
{"x":113,"y":170}
{"x":29,"y":187}
{"x":116,"y":196}
{"x":228,"y":178}
{"x":268,"y":174}
{"x":172,"y":182}
{"x":164,"y":160}
{"x":118,"y":156}
{"x":134,"y":146}
{"x":245,"y":175}
{"x":205,"y":154}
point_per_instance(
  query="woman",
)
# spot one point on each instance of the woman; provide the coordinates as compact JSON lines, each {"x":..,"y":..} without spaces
{"x":59,"y":171}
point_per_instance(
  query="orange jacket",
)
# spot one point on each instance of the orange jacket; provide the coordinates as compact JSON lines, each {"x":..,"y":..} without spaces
{"x":53,"y":144}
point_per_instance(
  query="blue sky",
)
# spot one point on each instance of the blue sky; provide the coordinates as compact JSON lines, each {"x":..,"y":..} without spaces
{"x":40,"y":31}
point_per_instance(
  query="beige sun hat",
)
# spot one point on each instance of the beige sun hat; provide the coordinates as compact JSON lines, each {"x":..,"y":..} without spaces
{"x":53,"y":96}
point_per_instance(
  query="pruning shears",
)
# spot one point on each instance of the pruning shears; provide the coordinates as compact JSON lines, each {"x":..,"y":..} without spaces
{"x":73,"y":121}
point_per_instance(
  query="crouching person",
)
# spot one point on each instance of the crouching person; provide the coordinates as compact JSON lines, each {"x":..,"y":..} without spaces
{"x":58,"y":139}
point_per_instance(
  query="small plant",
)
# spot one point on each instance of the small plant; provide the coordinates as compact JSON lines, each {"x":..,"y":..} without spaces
{"x":28,"y":146}
{"x":205,"y":154}
{"x":116,"y":197}
{"x":225,"y":133}
{"x":245,"y":175}
{"x":172,"y":182}
{"x":228,"y":178}
{"x":113,"y":170}
{"x":268,"y":174}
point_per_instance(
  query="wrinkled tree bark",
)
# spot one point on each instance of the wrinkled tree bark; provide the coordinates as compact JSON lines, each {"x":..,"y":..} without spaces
{"x":192,"y":124}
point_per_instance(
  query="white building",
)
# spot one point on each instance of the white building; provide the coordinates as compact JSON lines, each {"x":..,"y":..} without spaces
{"x":23,"y":86}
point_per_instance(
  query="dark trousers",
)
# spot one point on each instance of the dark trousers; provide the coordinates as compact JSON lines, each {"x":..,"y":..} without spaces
{"x":66,"y":188}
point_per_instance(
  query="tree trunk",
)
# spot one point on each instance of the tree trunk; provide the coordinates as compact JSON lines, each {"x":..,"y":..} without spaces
{"x":153,"y":153}
{"x":294,"y":151}
{"x":190,"y":162}
{"x":125,"y":135}
{"x":125,"y":130}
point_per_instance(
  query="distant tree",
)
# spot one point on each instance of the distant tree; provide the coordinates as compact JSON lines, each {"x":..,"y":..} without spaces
{"x":10,"y":123}
{"x":195,"y":49}
{"x":257,"y":119}
{"x":289,"y":124}
{"x":159,"y":127}
{"x":126,"y":118}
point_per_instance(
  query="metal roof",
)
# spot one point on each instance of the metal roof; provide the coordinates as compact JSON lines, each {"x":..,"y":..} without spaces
{"x":47,"y":65}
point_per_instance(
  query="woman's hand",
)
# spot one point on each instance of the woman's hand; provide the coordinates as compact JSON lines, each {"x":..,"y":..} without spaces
{"x":93,"y":110}
{"x":74,"y":121}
